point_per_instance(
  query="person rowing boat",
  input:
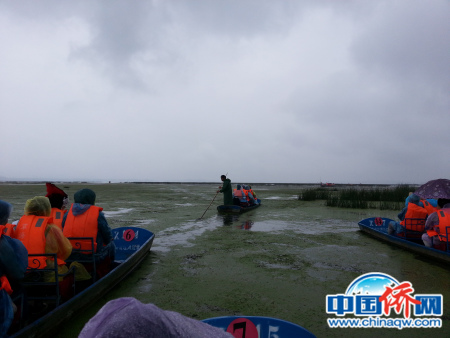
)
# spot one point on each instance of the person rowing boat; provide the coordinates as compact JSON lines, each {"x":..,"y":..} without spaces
{"x":226,"y":190}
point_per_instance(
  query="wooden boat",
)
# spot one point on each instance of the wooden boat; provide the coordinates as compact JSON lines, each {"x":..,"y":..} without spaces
{"x":377,"y":227}
{"x":253,"y":326}
{"x":132,"y":246}
{"x":237,"y":209}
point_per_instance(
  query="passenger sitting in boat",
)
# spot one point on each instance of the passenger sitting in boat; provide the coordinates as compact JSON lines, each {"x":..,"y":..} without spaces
{"x":127,"y":317}
{"x":85,"y":219}
{"x":13,"y":264}
{"x":36,"y":225}
{"x":437,"y":226}
{"x":240,"y":194}
{"x":252,"y":192}
{"x":59,"y":202}
{"x":431,"y":201}
{"x":250,"y":195}
{"x":428,"y":206}
{"x":414,"y":209}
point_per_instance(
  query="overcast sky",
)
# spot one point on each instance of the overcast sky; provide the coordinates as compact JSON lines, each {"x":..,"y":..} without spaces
{"x":266,"y":91}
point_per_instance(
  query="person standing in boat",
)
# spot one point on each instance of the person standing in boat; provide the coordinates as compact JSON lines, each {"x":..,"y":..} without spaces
{"x":85,"y":219}
{"x":437,"y":226}
{"x":226,"y":190}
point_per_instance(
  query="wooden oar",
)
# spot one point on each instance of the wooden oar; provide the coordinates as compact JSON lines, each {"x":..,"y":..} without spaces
{"x":209,"y":205}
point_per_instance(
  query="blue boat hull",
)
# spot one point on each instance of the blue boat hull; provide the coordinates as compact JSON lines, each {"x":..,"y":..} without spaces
{"x":236,"y":209}
{"x":370,"y":227}
{"x":265,"y":326}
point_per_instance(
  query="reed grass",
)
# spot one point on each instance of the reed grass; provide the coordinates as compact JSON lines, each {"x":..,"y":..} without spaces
{"x":314,"y":194}
{"x":389,"y":198}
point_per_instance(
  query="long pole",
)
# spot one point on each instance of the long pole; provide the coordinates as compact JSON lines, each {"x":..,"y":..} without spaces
{"x":209,"y":205}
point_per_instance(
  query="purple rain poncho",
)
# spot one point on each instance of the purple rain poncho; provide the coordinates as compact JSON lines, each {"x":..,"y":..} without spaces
{"x":128,"y":317}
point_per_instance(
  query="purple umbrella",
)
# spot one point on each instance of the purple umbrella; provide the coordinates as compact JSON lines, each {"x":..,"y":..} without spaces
{"x":439,"y":188}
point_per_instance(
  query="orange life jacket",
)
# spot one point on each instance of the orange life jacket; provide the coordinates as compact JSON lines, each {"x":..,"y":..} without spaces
{"x":238,"y":193}
{"x":84,"y":225}
{"x":428,"y":207}
{"x":4,"y":285}
{"x":7,"y":229}
{"x":414,"y":211}
{"x":249,"y":195}
{"x":57,"y":215}
{"x":31,"y":232}
{"x":443,"y":228}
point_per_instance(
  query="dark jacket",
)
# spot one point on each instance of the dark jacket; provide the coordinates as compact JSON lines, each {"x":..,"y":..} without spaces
{"x":227,"y":192}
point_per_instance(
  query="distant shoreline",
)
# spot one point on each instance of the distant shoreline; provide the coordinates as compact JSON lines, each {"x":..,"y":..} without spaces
{"x":250,"y":183}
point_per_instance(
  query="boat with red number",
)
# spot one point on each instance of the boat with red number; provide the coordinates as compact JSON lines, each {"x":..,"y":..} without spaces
{"x":132,"y":246}
{"x":254,"y":326}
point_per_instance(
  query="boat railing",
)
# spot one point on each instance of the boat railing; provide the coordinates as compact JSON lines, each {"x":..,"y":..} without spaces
{"x":85,"y":249}
{"x":414,"y":228}
{"x":415,"y":224}
{"x":42,"y":287}
{"x":444,"y":241}
{"x":447,"y":234}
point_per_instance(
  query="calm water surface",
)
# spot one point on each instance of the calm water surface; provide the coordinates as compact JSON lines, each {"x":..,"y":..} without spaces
{"x":280,"y":260}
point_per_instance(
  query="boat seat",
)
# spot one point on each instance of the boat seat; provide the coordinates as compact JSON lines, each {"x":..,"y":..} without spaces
{"x":40,"y":288}
{"x":84,"y":256}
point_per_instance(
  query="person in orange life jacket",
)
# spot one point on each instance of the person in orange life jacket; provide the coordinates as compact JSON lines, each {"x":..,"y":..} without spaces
{"x":249,"y":194}
{"x":59,"y":202}
{"x":414,"y":209}
{"x":428,"y":206}
{"x":84,"y":217}
{"x":239,"y":193}
{"x":39,"y":235}
{"x":431,"y":201}
{"x":13,"y":264}
{"x":436,"y":224}
{"x":252,"y":192}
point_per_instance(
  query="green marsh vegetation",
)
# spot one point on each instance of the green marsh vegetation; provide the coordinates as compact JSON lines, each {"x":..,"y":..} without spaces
{"x":382,"y":198}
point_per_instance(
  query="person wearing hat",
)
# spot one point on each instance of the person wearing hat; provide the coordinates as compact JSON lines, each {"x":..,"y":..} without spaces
{"x":85,"y":219}
{"x":13,"y":264}
{"x":58,"y":201}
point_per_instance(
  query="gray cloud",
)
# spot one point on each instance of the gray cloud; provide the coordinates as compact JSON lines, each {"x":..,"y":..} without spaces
{"x":292,"y":91}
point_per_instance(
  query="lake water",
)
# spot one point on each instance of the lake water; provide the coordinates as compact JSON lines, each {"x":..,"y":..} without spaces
{"x":280,"y":260}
